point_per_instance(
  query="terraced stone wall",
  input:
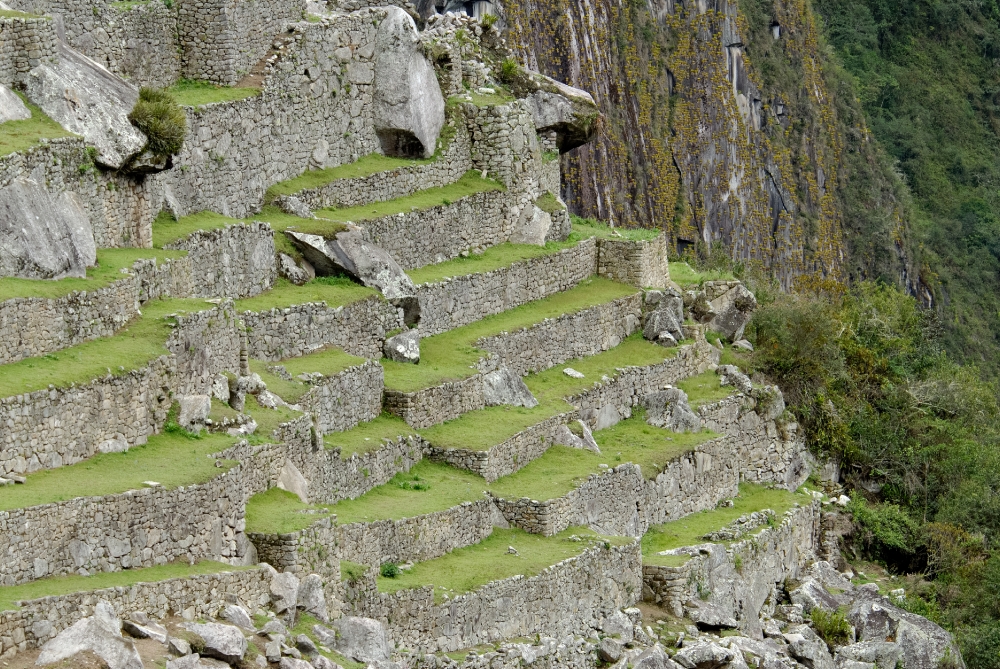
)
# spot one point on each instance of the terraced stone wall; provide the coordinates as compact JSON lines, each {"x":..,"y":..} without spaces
{"x":430,"y":406}
{"x":740,"y":577}
{"x":305,"y":113}
{"x":504,"y":143}
{"x":461,"y":300}
{"x":342,"y":401}
{"x":454,"y":161}
{"x":39,"y":620}
{"x":121,"y":209}
{"x":24,"y":43}
{"x":232,"y":262}
{"x":641,"y":263}
{"x":474,"y":222}
{"x":223,"y":39}
{"x":571,"y":595}
{"x":358,"y":328}
{"x":55,"y":427}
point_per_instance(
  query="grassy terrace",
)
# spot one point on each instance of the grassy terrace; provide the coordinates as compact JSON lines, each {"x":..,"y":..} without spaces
{"x":450,"y":355}
{"x":21,"y":135}
{"x":336,"y":292}
{"x":365,"y":166}
{"x":470,"y":184}
{"x":192,"y":93}
{"x":64,"y":585}
{"x":465,"y":569}
{"x":704,"y":389}
{"x":110,"y":263}
{"x":690,"y":530}
{"x":485,"y":428}
{"x":328,"y":362}
{"x":130,"y":348}
{"x":683,"y":274}
{"x":368,"y":436}
{"x":171,"y":459}
{"x":595,"y":228}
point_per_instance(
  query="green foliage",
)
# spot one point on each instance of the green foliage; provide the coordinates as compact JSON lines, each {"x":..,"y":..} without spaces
{"x":981,"y":645}
{"x":509,"y":69}
{"x":157,"y":115}
{"x":831,"y":626}
{"x":489,"y":20}
{"x":286,"y":294}
{"x":389,"y":570}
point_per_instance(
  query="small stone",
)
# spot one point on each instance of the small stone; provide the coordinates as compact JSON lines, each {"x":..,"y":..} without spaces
{"x":569,"y":371}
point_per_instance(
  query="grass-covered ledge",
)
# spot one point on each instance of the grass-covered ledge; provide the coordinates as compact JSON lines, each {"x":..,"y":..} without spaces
{"x":193,"y":93}
{"x":334,"y":291}
{"x":365,"y":166}
{"x":328,"y":362}
{"x":369,"y":436}
{"x":20,"y":135}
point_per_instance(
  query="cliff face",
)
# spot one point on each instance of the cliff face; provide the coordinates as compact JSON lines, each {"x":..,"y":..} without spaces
{"x":720,"y":127}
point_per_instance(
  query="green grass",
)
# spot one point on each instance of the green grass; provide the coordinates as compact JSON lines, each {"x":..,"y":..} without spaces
{"x":329,"y":362}
{"x":601,"y":230}
{"x":501,"y":97}
{"x":278,"y":511}
{"x":21,"y":135}
{"x":110,"y":262}
{"x":549,"y":203}
{"x":14,"y":14}
{"x":365,"y":166}
{"x":683,"y":274}
{"x":64,"y":585}
{"x":166,"y":229}
{"x":196,"y":93}
{"x":336,"y":293}
{"x":367,"y":437}
{"x":280,"y":221}
{"x":690,"y":530}
{"x":450,"y":355}
{"x":130,"y":348}
{"x":470,"y":184}
{"x":351,"y":571}
{"x":494,"y":257}
{"x":172,"y":459}
{"x":704,"y":389}
{"x":466,"y":569}
{"x":426,"y":488}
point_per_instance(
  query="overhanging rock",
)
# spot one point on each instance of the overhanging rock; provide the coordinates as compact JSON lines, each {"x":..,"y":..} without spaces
{"x":570,"y":112}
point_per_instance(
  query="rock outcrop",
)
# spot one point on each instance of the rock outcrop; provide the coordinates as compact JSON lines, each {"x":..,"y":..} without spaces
{"x":12,"y":108}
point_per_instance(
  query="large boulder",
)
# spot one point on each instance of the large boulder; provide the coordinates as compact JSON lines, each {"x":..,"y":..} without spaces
{"x":43,"y":236}
{"x":733,"y":310}
{"x":86,"y":99}
{"x":532,"y":226}
{"x":408,"y":105}
{"x":703,"y":655}
{"x":284,"y":589}
{"x":99,"y":634}
{"x":403,"y":347}
{"x":923,"y":643}
{"x":669,"y":408}
{"x":806,"y":647}
{"x":292,"y":480}
{"x":224,"y":642}
{"x":569,"y":112}
{"x":12,"y":107}
{"x":351,"y":253}
{"x":502,"y":387}
{"x":362,"y":639}
{"x":664,"y":318}
{"x":311,"y":598}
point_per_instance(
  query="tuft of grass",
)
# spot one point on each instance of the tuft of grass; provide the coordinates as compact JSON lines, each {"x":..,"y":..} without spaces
{"x":470,"y":184}
{"x":192,"y":93}
{"x":683,"y":274}
{"x":286,"y":294}
{"x":351,"y":571}
{"x":509,"y":69}
{"x":158,"y":116}
{"x":21,"y":135}
{"x":704,"y":389}
{"x":368,"y":436}
{"x":601,"y":230}
{"x":451,"y":355}
{"x":167,"y":230}
{"x":130,"y":348}
{"x":63,"y":585}
{"x":110,"y":263}
{"x":690,"y":530}
{"x":277,"y":511}
{"x":171,"y":459}
{"x":465,"y":569}
{"x":831,"y":626}
{"x":494,"y":257}
{"x":365,"y":166}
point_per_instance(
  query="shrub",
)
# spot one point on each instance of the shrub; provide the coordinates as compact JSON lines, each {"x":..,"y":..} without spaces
{"x":833,"y":627}
{"x":508,"y":70}
{"x":161,"y":119}
{"x":981,"y":645}
{"x":389,"y":570}
{"x":489,"y":20}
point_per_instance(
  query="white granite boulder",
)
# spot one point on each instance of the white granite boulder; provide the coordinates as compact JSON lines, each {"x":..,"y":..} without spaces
{"x":362,"y":639}
{"x":532,"y":226}
{"x":223,"y":642}
{"x":669,"y":408}
{"x":733,"y":310}
{"x":12,"y":107}
{"x":99,"y":634}
{"x":403,"y":347}
{"x":502,"y":387}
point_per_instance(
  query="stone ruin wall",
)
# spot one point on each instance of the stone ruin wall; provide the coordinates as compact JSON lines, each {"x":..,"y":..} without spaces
{"x":344,"y":400}
{"x":643,"y":263}
{"x":236,"y":261}
{"x":25,"y":43}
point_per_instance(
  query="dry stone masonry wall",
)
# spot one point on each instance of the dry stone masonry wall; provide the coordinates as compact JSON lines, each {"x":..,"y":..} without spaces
{"x":637,"y":263}
{"x":24,"y":43}
{"x":235,"y":261}
{"x":344,"y":400}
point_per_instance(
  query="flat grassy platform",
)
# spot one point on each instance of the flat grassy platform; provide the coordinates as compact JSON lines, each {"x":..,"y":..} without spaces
{"x":65,"y":585}
{"x":167,"y":230}
{"x":470,"y":184}
{"x":465,"y":569}
{"x":110,"y":263}
{"x":690,"y":530}
{"x":278,"y":511}
{"x":481,"y":430}
{"x":365,"y":166}
{"x":172,"y":459}
{"x":683,"y":274}
{"x":20,"y":135}
{"x":501,"y":97}
{"x":130,"y":348}
{"x":704,"y":389}
{"x":450,"y":355}
{"x":191,"y":93}
{"x":367,"y":437}
{"x":328,"y":362}
{"x":602,"y":230}
{"x":335,"y":291}
{"x":494,"y":257}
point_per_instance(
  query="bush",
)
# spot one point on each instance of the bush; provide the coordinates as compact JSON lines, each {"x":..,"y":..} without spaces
{"x":885,"y":531}
{"x":489,"y":20}
{"x":508,"y":70}
{"x":389,"y":570}
{"x":981,"y":646}
{"x":832,"y":628}
{"x":161,"y":119}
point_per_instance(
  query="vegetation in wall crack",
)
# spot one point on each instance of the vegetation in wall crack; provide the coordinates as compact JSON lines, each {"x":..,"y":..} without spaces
{"x":158,"y":116}
{"x":832,"y":627}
